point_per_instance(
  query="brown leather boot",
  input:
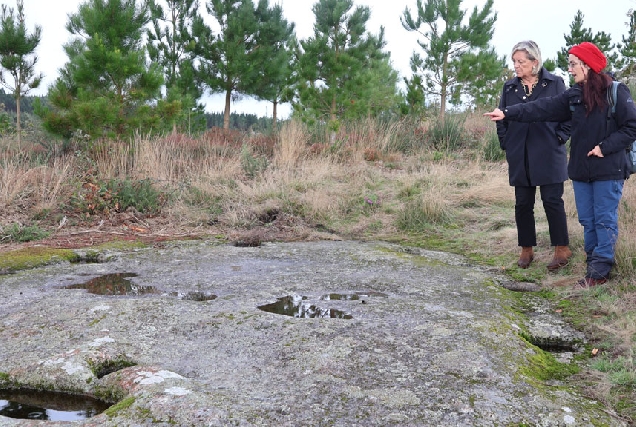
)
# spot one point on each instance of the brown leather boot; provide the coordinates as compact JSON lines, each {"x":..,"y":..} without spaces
{"x":562,"y":255}
{"x":526,"y":257}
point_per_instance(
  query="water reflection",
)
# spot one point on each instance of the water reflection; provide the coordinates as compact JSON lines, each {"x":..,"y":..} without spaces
{"x":114,"y":284}
{"x":194,"y":296}
{"x":355,"y":296}
{"x":49,"y":406}
{"x":297,"y":306}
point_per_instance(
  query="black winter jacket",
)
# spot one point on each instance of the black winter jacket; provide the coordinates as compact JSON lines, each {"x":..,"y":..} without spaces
{"x":535,"y":152}
{"x":614,"y":135}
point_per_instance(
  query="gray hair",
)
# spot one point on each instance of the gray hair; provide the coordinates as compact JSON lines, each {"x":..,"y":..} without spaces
{"x":532,"y":51}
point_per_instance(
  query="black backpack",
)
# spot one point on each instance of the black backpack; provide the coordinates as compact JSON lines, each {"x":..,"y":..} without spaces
{"x":631,"y":152}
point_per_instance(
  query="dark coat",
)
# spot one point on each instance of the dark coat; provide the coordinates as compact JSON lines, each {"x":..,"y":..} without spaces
{"x":535,"y":152}
{"x":614,"y":135}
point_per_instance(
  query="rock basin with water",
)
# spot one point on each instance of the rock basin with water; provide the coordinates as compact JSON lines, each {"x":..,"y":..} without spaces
{"x":433,"y":342}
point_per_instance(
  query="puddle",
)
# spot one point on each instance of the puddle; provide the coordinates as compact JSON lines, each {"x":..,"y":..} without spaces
{"x":50,"y":406}
{"x":356,"y":296}
{"x":119,"y":284}
{"x":194,"y":296}
{"x":297,"y":306}
{"x":553,"y":344}
{"x":114,"y":284}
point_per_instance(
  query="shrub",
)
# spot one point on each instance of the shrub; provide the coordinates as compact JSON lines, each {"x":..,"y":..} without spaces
{"x":408,"y":136}
{"x":448,"y":134}
{"x":419,"y":213}
{"x":90,"y":199}
{"x":6,"y":122}
{"x":19,"y":233}
{"x":252,"y":166}
{"x":140,"y":195}
{"x":117,"y":196}
{"x":491,"y":149}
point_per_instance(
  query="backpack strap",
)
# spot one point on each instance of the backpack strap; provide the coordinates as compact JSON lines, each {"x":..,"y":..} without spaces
{"x":612,"y":99}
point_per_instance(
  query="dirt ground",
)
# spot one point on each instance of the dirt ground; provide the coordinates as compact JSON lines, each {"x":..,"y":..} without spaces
{"x":133,"y":227}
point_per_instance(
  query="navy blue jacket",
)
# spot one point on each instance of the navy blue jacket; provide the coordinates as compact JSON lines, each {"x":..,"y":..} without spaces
{"x":535,"y":152}
{"x":614,"y":135}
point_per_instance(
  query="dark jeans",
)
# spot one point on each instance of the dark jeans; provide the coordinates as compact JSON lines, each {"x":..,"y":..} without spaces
{"x":597,"y":205}
{"x":552,"y":198}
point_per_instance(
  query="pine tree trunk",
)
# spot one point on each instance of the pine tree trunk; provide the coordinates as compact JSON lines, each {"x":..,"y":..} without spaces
{"x":274,"y":108}
{"x":226,"y":114}
{"x":18,"y":127}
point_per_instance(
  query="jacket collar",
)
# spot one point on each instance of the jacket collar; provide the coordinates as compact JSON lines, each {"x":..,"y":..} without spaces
{"x":515,"y":83}
{"x":545,"y":76}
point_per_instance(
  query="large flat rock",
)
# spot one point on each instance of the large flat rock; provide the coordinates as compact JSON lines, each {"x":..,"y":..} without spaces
{"x":431,"y":341}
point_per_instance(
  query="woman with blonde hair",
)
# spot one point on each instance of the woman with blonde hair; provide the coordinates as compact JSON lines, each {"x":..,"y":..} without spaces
{"x":536,"y":155}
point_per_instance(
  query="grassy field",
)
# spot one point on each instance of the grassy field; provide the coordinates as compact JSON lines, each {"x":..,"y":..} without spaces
{"x":414,"y":182}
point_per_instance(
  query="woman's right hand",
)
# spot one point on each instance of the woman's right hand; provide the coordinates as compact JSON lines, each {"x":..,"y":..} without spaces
{"x":495,"y":115}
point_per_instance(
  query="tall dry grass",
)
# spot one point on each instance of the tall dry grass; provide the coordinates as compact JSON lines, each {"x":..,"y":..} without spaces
{"x":28,"y":185}
{"x":364,"y":180}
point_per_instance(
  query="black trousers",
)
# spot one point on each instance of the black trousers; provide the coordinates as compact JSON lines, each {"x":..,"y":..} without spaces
{"x":552,"y":198}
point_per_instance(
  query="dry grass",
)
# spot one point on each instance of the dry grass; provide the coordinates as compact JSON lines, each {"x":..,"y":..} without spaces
{"x":361,"y":189}
{"x":292,"y":146}
{"x":33,"y":187}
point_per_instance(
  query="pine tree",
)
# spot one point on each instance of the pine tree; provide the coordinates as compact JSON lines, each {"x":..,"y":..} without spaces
{"x":106,"y":88}
{"x":481,"y":75}
{"x":228,"y":60}
{"x":17,"y":56}
{"x":447,"y":39}
{"x":171,"y":45}
{"x":579,"y":34}
{"x":628,"y":49}
{"x":335,"y":65}
{"x":275,"y":53}
{"x":415,"y":95}
{"x":379,"y":96}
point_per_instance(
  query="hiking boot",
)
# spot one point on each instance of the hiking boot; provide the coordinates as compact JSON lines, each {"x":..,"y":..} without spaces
{"x":589,"y":282}
{"x":562,"y":255}
{"x":526,"y":257}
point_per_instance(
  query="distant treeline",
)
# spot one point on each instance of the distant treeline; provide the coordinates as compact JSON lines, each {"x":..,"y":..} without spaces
{"x":243,"y":122}
{"x":7,"y":103}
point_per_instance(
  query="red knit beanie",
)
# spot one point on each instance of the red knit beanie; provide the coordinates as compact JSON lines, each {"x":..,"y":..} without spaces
{"x":590,"y":54}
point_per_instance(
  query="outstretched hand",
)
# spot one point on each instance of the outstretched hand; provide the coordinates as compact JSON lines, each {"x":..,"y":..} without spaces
{"x":495,"y":115}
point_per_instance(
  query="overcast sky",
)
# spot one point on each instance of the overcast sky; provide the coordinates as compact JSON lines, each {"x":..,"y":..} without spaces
{"x":544,"y":21}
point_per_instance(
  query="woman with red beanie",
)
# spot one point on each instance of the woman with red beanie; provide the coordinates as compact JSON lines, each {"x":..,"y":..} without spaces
{"x":598,"y":164}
